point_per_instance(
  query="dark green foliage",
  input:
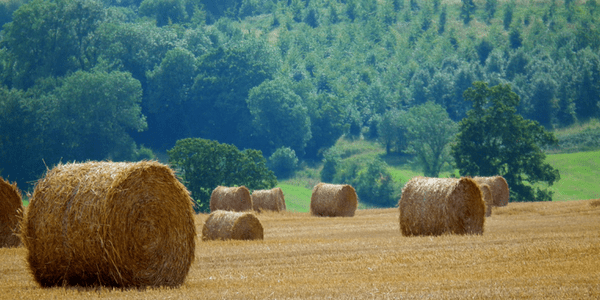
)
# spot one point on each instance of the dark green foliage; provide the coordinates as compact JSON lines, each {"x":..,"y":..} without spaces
{"x":165,"y":12}
{"x":490,"y":10}
{"x":225,"y":78}
{"x":279,"y":117}
{"x":392,"y":132}
{"x":515,"y":38}
{"x":442,"y":22}
{"x":51,"y":38}
{"x":483,"y":50}
{"x":311,"y":18}
{"x":467,"y":10}
{"x":508,"y":15}
{"x":205,"y":164}
{"x":332,"y":158}
{"x":429,"y":131}
{"x":283,"y":162}
{"x":495,"y":140}
{"x":371,"y":180}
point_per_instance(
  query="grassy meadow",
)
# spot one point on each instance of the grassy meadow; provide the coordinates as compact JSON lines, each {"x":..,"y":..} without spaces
{"x":528,"y":251}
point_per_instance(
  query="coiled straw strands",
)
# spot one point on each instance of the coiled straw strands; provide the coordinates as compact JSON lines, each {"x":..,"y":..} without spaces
{"x":11,"y":213}
{"x":486,"y":192}
{"x":110,"y":224}
{"x":333,"y":200}
{"x":434,"y":206}
{"x":230,"y":198}
{"x":272,"y":199}
{"x":499,"y":187}
{"x":228,"y":225}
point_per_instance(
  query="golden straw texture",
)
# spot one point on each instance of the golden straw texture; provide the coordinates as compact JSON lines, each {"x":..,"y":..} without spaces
{"x":11,"y":213}
{"x":499,"y":187}
{"x":228,"y":225}
{"x":486,"y":192}
{"x":230,"y":198}
{"x":333,"y":200}
{"x":434,"y":206}
{"x":110,"y":224}
{"x":272,"y":199}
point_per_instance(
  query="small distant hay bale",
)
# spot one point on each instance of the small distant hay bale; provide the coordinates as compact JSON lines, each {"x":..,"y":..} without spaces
{"x":272,"y":199}
{"x":11,"y":213}
{"x":228,"y":225}
{"x":110,"y":224}
{"x":231,"y":199}
{"x":333,"y":200}
{"x":434,"y":206}
{"x":499,"y":187}
{"x":486,"y":192}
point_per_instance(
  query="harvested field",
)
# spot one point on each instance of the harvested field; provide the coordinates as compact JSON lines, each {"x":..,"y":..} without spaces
{"x":528,"y":250}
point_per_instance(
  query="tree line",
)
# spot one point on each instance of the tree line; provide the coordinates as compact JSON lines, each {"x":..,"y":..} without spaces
{"x":113,"y":79}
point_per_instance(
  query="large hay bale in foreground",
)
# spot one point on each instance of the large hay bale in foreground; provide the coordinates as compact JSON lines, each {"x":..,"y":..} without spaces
{"x":228,"y":225}
{"x":11,"y":213}
{"x":434,"y":206}
{"x":499,"y":187}
{"x":231,"y":199}
{"x":488,"y":198}
{"x":333,"y":200}
{"x":110,"y":224}
{"x":272,"y":199}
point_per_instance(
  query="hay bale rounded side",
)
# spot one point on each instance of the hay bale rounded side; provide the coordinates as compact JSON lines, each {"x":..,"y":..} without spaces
{"x":231,"y":199}
{"x":435,"y":206}
{"x":272,"y":200}
{"x":110,"y":224}
{"x":11,"y":213}
{"x":333,"y":200}
{"x":499,"y":187}
{"x":228,"y":225}
{"x":488,"y":198}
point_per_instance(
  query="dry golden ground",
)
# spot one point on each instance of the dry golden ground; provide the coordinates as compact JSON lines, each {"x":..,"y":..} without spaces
{"x":528,"y":250}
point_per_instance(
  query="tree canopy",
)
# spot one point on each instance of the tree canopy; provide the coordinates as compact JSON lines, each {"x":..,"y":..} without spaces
{"x":494,"y":140}
{"x":204,"y":164}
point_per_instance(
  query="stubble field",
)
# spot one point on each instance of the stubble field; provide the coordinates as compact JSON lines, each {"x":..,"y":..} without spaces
{"x":528,"y":250}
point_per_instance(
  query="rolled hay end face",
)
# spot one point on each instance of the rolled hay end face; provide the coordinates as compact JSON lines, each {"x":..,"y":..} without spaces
{"x":333,"y":200}
{"x":272,"y":200}
{"x":499,"y":188}
{"x":435,"y":206}
{"x":230,"y":199}
{"x":228,"y":225}
{"x":110,"y":224}
{"x":11,"y":213}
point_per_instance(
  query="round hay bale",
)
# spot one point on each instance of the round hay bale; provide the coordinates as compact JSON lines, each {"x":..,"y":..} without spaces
{"x":268,"y":200}
{"x":434,"y":206}
{"x":228,"y":225}
{"x":110,"y":224}
{"x":499,"y":187}
{"x":11,"y":213}
{"x":486,"y":192}
{"x":230,"y":198}
{"x":333,"y":200}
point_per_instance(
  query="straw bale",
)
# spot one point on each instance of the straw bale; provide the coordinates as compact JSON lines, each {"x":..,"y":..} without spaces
{"x":230,"y":198}
{"x":333,"y":200}
{"x":434,"y":206}
{"x":499,"y":187}
{"x":110,"y":224}
{"x":486,"y":192}
{"x":11,"y":213}
{"x":228,"y":225}
{"x":268,"y":200}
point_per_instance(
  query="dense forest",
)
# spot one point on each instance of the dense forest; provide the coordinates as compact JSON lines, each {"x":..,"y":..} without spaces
{"x":123,"y":79}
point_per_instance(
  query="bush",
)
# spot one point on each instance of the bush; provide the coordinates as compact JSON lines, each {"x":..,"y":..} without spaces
{"x":283,"y":162}
{"x":331,"y":159}
{"x":371,"y":179}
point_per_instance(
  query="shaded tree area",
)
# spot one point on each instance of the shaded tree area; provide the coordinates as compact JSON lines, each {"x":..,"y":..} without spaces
{"x":206,"y":164}
{"x":495,"y":140}
{"x":274,"y":74}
